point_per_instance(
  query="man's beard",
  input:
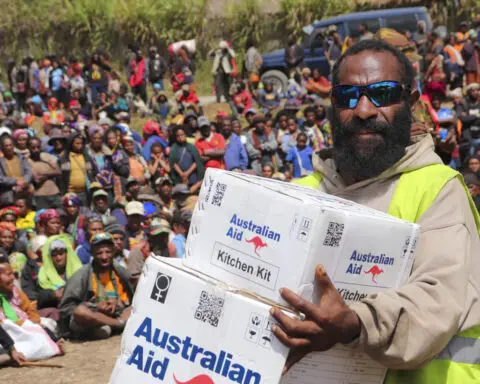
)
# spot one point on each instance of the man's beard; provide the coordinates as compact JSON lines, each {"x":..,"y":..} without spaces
{"x":362,"y":158}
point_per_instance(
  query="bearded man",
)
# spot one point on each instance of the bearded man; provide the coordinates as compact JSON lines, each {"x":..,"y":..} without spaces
{"x":428,"y":330}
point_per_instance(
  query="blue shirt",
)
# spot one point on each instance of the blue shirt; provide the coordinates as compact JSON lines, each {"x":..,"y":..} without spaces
{"x":179,"y":242}
{"x":305,"y":156}
{"x":147,"y":147}
{"x":235,"y":153}
{"x":84,"y":252}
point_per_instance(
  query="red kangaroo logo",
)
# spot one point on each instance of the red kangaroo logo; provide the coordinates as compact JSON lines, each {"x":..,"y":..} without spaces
{"x":200,"y":379}
{"x":257,"y":243}
{"x":375,"y":271}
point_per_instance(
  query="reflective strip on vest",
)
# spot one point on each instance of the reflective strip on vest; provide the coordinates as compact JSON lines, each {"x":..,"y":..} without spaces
{"x":459,"y":362}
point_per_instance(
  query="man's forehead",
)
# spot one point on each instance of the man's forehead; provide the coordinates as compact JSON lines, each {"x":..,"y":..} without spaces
{"x":369,"y":67}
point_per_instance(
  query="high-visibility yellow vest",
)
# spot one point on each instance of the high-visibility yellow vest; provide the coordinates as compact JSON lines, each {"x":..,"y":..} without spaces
{"x":459,"y":362}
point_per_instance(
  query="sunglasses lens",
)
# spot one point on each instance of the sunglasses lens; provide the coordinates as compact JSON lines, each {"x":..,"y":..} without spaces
{"x":385,"y":93}
{"x":346,"y":96}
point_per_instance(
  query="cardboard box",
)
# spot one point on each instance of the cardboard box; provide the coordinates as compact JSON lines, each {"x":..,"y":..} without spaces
{"x":260,"y":235}
{"x":188,"y":328}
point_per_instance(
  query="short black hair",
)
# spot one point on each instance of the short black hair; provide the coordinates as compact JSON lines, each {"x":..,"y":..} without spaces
{"x":407,"y":73}
{"x":309,"y":109}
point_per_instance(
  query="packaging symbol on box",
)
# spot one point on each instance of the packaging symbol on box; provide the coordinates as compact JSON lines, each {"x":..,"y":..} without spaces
{"x":188,"y":328}
{"x":260,"y":235}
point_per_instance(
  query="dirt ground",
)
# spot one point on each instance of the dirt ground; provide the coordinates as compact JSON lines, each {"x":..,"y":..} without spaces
{"x":86,"y":363}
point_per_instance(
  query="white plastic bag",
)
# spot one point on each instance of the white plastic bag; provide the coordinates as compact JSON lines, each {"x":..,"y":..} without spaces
{"x":32,"y":340}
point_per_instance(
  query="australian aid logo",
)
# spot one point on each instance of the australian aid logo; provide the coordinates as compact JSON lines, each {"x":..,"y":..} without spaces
{"x":252,"y":233}
{"x":369,"y":264}
{"x":165,"y":356}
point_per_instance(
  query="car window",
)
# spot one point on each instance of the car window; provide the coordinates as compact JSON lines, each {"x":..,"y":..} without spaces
{"x":372,"y":24}
{"x":402,"y":23}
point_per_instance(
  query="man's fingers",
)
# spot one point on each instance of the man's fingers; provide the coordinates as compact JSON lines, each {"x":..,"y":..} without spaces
{"x":295,"y":327}
{"x":291,"y":342}
{"x":297,"y":302}
{"x":294,"y":357}
{"x":323,"y":281}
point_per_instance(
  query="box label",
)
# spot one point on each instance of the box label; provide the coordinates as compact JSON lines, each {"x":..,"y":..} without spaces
{"x":245,"y":266}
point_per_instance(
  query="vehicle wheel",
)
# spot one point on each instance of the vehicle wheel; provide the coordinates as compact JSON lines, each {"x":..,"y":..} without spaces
{"x":277,"y":78}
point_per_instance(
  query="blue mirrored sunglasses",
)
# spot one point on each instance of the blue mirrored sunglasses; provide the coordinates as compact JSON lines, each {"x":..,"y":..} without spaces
{"x":381,"y":94}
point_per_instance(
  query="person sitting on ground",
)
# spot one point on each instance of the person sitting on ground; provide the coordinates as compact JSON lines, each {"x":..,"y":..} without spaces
{"x":20,"y":138}
{"x":8,"y":345}
{"x":59,"y":263}
{"x":101,"y":207}
{"x":241,"y":98}
{"x":16,"y":307}
{"x":181,"y":225}
{"x":318,"y":86}
{"x":12,"y":248}
{"x":29,"y":276}
{"x":316,"y":138}
{"x":15,"y":172}
{"x":261,"y":144}
{"x":45,"y":171}
{"x":300,"y":157}
{"x":50,"y":221}
{"x":159,"y":104}
{"x":92,"y":226}
{"x":163,"y":187}
{"x":210,"y":146}
{"x":137,"y":164}
{"x":26,"y":215}
{"x":184,"y":199}
{"x":96,"y":300}
{"x":118,"y":234}
{"x":152,"y":134}
{"x":268,"y":98}
{"x":78,"y":168}
{"x":268,"y":170}
{"x":188,"y":100}
{"x":158,"y":164}
{"x":133,"y":233}
{"x":185,"y":162}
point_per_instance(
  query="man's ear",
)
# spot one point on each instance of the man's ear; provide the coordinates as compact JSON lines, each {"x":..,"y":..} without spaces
{"x":414,"y":96}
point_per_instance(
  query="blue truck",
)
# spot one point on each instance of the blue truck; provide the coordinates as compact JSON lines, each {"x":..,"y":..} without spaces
{"x":400,"y":19}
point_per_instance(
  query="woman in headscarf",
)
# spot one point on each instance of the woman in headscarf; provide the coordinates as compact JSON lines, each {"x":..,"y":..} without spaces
{"x":20,"y":138}
{"x":8,"y":236}
{"x":185,"y":161}
{"x":50,"y":220}
{"x":138,"y":166}
{"x":78,"y":168}
{"x":60,"y":262}
{"x":74,"y":219}
{"x":102,"y":157}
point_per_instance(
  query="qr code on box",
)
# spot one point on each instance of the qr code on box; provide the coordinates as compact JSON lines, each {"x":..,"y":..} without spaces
{"x":220,"y":189}
{"x":209,"y":308}
{"x":334,"y":234}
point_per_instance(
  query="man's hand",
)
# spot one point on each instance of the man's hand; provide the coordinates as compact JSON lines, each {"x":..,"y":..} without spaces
{"x":59,"y":293}
{"x":17,"y":357}
{"x":325,"y":324}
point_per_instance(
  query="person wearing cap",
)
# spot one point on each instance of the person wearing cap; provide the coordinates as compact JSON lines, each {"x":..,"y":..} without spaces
{"x":92,"y":225}
{"x":159,"y":104}
{"x":185,"y":161}
{"x":188,"y":100}
{"x":249,"y":115}
{"x":183,"y":198}
{"x":78,"y":168}
{"x":235,"y":153}
{"x":134,"y":234}
{"x":268,"y":98}
{"x":223,"y":69}
{"x":152,"y":134}
{"x":181,"y":225}
{"x":45,"y":171}
{"x":211,"y":145}
{"x":15,"y":172}
{"x":470,"y":57}
{"x":96,"y":299}
{"x":100,"y":205}
{"x":261,"y":144}
{"x":59,"y":264}
{"x":118,"y":233}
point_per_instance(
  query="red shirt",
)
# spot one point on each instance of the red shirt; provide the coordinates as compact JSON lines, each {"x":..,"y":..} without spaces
{"x":191,"y":98}
{"x":216,"y":141}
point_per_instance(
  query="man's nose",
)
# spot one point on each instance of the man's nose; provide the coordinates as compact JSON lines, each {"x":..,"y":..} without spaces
{"x":365,"y":109}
